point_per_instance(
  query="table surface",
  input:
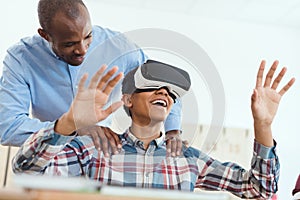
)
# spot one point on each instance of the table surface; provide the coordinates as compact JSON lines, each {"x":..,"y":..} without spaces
{"x":30,"y":187}
{"x":110,"y":194}
{"x":22,"y":194}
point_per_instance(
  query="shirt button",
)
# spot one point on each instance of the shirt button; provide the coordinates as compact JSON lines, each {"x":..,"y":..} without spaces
{"x":24,"y":162}
{"x":140,"y":144}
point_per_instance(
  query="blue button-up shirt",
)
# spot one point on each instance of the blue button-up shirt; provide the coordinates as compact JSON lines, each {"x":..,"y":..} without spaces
{"x":35,"y":79}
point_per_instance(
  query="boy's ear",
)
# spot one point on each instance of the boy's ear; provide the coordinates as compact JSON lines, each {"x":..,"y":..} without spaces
{"x":126,"y":98}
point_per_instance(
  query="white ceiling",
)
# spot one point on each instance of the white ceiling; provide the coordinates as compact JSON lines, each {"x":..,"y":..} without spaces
{"x":274,"y":12}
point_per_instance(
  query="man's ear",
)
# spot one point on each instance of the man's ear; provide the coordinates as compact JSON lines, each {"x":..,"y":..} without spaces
{"x":43,"y":34}
{"x":126,"y":98}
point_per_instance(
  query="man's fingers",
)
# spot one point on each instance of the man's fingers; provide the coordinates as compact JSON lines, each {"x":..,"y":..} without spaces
{"x":178,"y":146}
{"x":116,"y":139}
{"x":168,"y":146}
{"x":112,"y":140}
{"x":96,"y":140}
{"x":118,"y":142}
{"x":93,"y":132}
{"x":104,"y":142}
{"x":270,"y":74}
{"x":185,"y":143}
{"x":173,"y":146}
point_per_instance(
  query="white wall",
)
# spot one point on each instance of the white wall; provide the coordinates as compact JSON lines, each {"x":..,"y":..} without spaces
{"x":236,"y":48}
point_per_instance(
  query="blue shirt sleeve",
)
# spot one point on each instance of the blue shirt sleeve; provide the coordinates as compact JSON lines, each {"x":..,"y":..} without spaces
{"x":173,"y":121}
{"x":15,"y":123}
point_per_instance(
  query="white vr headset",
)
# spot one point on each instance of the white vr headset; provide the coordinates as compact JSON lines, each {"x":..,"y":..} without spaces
{"x":153,"y":75}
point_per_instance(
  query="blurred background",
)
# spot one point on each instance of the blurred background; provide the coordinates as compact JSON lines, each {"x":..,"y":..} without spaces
{"x":235,"y":34}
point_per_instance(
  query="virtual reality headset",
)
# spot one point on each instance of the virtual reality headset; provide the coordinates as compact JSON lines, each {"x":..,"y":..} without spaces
{"x":153,"y":75}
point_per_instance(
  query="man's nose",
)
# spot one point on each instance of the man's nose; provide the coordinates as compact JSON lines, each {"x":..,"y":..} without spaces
{"x":81,"y":48}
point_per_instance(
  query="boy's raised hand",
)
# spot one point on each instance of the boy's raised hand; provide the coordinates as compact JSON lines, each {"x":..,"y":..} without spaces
{"x":87,"y":106}
{"x":265,"y":101}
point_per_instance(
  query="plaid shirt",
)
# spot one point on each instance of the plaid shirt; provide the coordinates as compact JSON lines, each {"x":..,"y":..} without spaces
{"x":46,"y":152}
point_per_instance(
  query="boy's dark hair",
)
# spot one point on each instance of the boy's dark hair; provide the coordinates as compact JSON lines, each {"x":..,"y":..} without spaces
{"x":128,"y":86}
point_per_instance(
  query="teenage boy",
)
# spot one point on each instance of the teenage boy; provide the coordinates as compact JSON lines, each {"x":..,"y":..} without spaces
{"x":149,"y":93}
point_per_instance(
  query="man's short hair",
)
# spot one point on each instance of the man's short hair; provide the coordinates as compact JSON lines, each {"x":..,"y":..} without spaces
{"x":47,"y":9}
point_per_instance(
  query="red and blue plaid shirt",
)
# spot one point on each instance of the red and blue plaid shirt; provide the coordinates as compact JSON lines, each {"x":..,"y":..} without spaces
{"x":46,"y":152}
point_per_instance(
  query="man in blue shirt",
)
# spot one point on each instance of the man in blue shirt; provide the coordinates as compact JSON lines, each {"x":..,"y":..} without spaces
{"x":40,"y":72}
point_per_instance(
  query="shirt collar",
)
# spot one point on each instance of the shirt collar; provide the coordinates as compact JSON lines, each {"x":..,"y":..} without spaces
{"x":58,"y":58}
{"x":50,"y":49}
{"x":54,"y":54}
{"x":133,"y":140}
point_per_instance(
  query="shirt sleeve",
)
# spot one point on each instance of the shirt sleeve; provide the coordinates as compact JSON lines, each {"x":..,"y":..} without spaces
{"x":40,"y":150}
{"x":173,"y":121}
{"x":260,"y":182}
{"x":15,"y":123}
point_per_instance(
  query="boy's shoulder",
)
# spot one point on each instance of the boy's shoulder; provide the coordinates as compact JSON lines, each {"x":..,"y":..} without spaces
{"x":189,"y":151}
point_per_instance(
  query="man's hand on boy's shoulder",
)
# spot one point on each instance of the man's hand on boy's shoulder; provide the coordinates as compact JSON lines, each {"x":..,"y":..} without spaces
{"x":174,"y":142}
{"x":108,"y":142}
{"x":104,"y":139}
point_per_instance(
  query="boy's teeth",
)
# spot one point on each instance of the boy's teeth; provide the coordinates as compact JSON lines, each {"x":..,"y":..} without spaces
{"x":160,"y":102}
